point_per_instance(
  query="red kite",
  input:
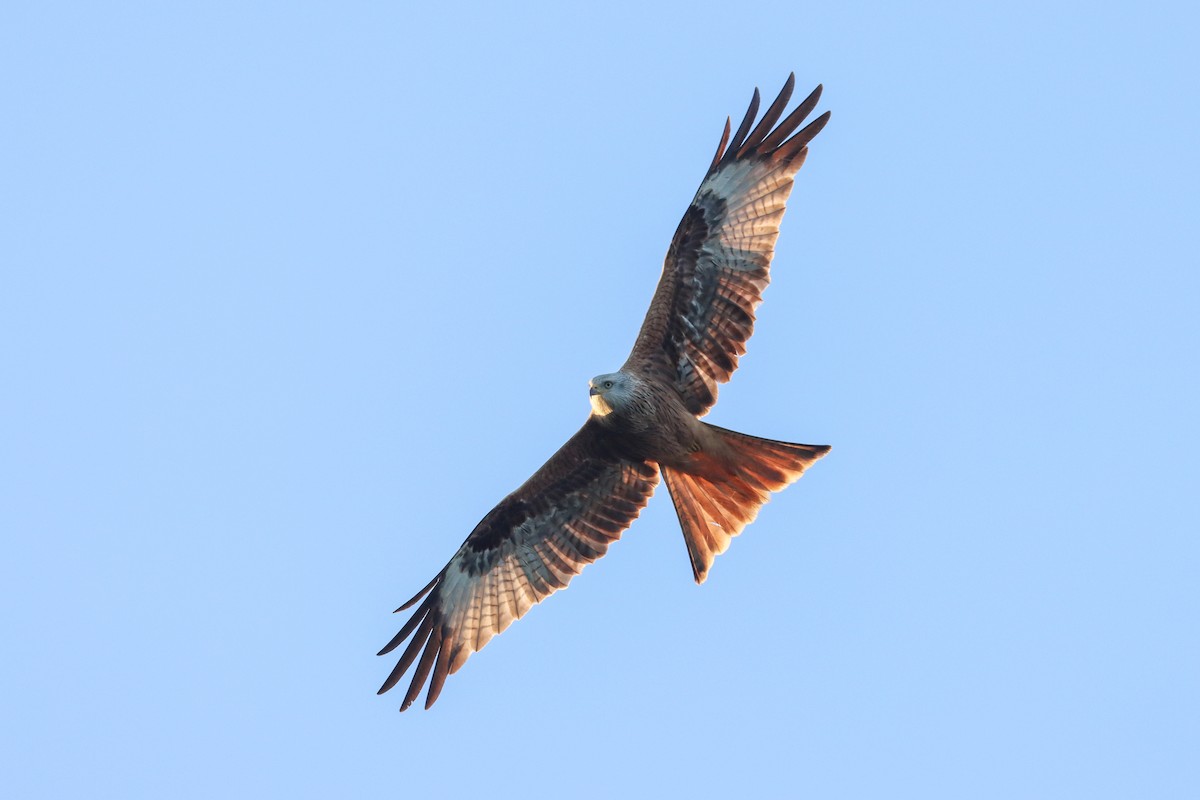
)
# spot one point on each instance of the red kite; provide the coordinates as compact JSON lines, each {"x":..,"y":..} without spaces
{"x":644,"y":420}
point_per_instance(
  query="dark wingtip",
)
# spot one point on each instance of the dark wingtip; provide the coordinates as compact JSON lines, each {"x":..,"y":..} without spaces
{"x":772,"y":137}
{"x":421,"y":593}
{"x":818,"y":124}
{"x":772,"y":115}
{"x":721,"y":145}
{"x":410,"y":653}
{"x":739,"y":138}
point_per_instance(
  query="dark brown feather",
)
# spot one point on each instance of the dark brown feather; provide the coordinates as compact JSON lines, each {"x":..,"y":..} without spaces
{"x":798,"y":144}
{"x":409,"y":626}
{"x":440,"y":670}
{"x":418,"y":595}
{"x":735,"y":143}
{"x":423,"y":667}
{"x":721,"y":145}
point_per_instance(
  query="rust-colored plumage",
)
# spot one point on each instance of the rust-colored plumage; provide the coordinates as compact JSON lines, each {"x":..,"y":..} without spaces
{"x":645,"y":419}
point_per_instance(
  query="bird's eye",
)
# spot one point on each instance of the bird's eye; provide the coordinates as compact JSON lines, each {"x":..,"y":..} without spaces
{"x":608,"y":384}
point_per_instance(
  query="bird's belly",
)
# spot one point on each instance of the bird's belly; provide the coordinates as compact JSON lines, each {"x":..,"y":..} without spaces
{"x":662,"y":437}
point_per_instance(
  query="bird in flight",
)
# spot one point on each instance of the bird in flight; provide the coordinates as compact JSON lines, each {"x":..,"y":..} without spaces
{"x":645,"y":419}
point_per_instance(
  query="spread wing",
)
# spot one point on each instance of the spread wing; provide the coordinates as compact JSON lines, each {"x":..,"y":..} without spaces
{"x":719,"y":261}
{"x":528,"y":547}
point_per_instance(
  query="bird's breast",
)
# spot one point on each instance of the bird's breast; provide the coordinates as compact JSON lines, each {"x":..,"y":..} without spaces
{"x":650,"y":429}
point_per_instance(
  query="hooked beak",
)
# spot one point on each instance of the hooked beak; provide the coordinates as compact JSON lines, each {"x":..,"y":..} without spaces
{"x":593,"y":391}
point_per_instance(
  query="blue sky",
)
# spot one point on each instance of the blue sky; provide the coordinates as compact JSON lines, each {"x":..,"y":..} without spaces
{"x":292,"y":294}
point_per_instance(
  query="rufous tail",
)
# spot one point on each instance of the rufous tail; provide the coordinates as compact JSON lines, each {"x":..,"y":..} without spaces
{"x":721,"y":492}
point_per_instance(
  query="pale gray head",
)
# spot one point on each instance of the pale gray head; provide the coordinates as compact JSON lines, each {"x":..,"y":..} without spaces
{"x":610,"y":392}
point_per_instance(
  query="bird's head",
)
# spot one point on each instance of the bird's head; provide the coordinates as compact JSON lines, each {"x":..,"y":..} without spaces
{"x":610,"y":392}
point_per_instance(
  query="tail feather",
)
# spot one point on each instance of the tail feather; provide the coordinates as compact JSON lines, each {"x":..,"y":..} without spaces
{"x":720,"y":493}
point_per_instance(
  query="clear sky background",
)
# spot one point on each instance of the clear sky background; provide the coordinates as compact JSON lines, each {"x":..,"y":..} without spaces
{"x":293,"y":294}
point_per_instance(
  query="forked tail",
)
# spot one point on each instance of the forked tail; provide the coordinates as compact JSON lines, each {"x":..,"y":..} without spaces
{"x":720,"y":494}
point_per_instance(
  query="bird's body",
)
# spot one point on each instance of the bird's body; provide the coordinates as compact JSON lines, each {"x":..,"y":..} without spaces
{"x":645,"y":420}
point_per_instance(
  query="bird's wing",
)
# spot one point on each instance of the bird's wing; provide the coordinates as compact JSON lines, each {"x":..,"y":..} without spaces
{"x":528,"y":547}
{"x":719,"y":261}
